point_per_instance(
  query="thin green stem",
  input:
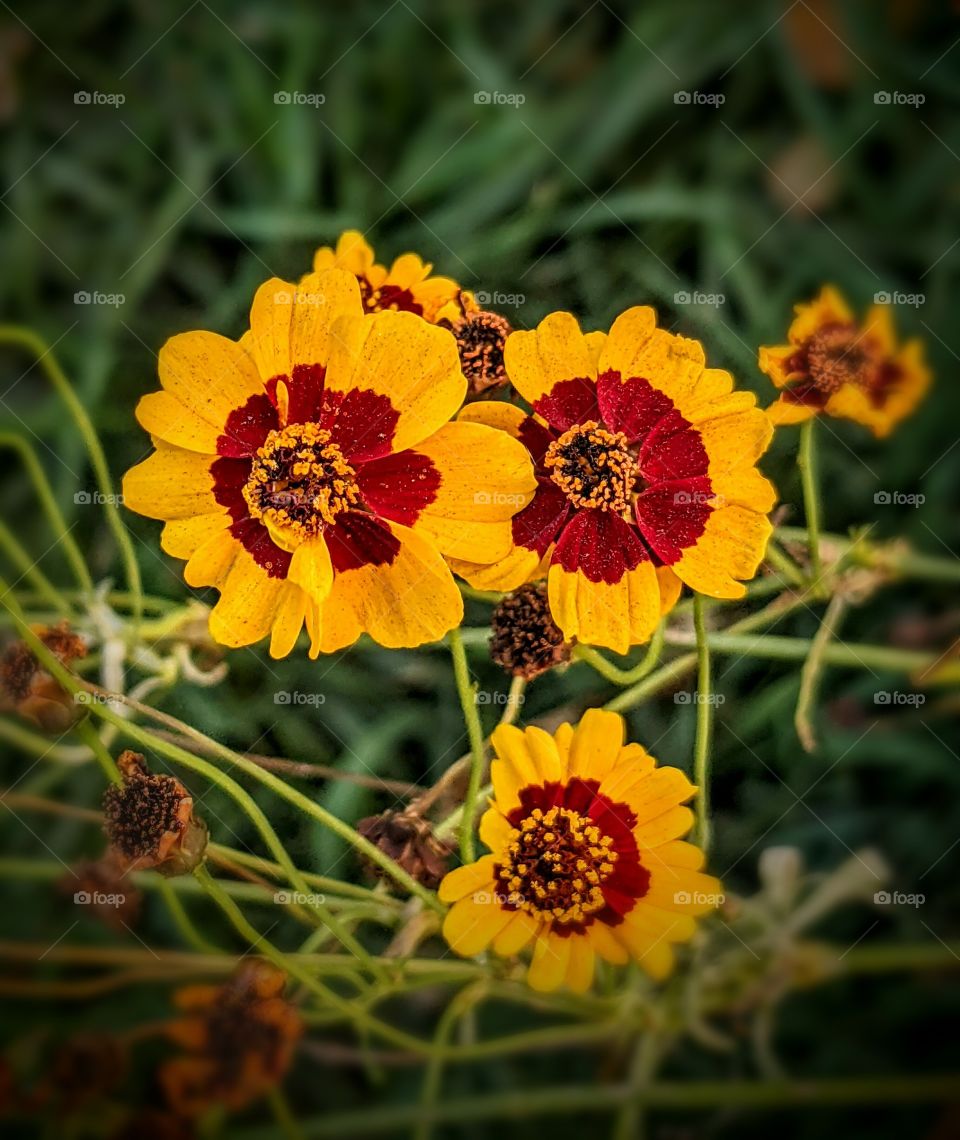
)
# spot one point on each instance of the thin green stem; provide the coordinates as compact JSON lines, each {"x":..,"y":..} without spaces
{"x":283,"y":1114}
{"x":806,"y":461}
{"x":184,"y":924}
{"x":468,"y":702}
{"x":701,"y":756}
{"x":28,"y":568}
{"x":28,"y":340}
{"x":89,"y":735}
{"x":813,"y":670}
{"x":430,"y":1093}
{"x":613,"y":673}
{"x":58,"y":524}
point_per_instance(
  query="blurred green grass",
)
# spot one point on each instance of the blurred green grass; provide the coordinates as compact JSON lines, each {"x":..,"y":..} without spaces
{"x":598,"y":192}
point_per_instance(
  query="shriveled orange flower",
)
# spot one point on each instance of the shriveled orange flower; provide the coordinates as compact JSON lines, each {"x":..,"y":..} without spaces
{"x":407,"y":286}
{"x":309,"y":472}
{"x":646,"y":477}
{"x":586,"y":857}
{"x":239,"y":1037}
{"x":843,"y":367}
{"x":28,"y":690}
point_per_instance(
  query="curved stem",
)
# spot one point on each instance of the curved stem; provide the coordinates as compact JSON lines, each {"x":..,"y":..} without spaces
{"x":613,"y":673}
{"x":89,"y":735}
{"x":468,"y":702}
{"x":701,"y":758}
{"x":806,"y":461}
{"x":29,"y":569}
{"x":25,"y":338}
{"x":813,"y":670}
{"x":183,"y":922}
{"x":58,"y":524}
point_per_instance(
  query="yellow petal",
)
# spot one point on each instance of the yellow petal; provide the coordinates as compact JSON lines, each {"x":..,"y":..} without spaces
{"x":581,"y":964}
{"x":212,"y":561}
{"x":732,"y":546}
{"x":470,"y":926}
{"x":271,"y":317}
{"x":319,"y":300}
{"x":556,"y":350}
{"x":311,"y":570}
{"x":495,"y":830}
{"x":181,"y":537}
{"x":248,"y":604}
{"x":829,"y":308}
{"x":614,"y":615}
{"x":398,"y":355}
{"x":291,"y":611}
{"x":597,"y":742}
{"x":518,"y":932}
{"x":467,"y":879}
{"x":495,"y":414}
{"x":783,"y":413}
{"x":170,"y":484}
{"x":548,"y":967}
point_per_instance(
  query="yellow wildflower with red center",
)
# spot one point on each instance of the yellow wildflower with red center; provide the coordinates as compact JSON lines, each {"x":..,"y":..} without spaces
{"x":407,"y":286}
{"x":646,"y":476}
{"x":837,"y":365}
{"x":587,"y":858}
{"x":309,"y":473}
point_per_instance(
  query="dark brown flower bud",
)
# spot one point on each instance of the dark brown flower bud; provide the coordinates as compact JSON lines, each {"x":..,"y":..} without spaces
{"x":239,"y":1040}
{"x":480,"y":337}
{"x":149,"y":820}
{"x":409,"y":840}
{"x":28,"y":690}
{"x":105,"y":889}
{"x":526,"y":640}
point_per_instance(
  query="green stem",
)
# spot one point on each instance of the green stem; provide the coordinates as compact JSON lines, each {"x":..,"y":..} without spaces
{"x":895,"y":557}
{"x":283,"y":1115}
{"x":613,"y":673}
{"x":806,"y":461}
{"x":630,"y":1123}
{"x":430,"y":1093}
{"x":351,"y":1010}
{"x":28,"y":568}
{"x":58,"y":524}
{"x":468,"y":702}
{"x":28,"y":340}
{"x":813,"y":670}
{"x":89,"y":735}
{"x":783,"y":564}
{"x":701,"y":757}
{"x":183,"y":922}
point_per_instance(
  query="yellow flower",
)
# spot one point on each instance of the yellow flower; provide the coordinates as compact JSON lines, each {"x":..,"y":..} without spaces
{"x":309,"y":473}
{"x":406,"y":286}
{"x":646,"y":478}
{"x":586,"y":857}
{"x":855,"y":371}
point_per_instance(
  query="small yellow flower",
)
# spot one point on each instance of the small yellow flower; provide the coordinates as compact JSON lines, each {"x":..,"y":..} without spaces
{"x":586,"y":857}
{"x":407,"y":286}
{"x":309,"y":473}
{"x":845,"y":368}
{"x":646,"y":476}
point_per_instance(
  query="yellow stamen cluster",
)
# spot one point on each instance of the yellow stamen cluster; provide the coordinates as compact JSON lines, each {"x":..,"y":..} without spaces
{"x":300,"y":481}
{"x":555,"y":865}
{"x":839,"y":355}
{"x":593,"y":467}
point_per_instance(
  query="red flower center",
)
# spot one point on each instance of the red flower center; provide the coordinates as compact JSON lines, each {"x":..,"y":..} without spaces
{"x":839,"y":355}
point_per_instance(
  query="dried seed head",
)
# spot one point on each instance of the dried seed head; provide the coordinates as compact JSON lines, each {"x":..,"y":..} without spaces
{"x":526,"y":640}
{"x":149,"y":820}
{"x":28,"y":690}
{"x":239,"y":1039}
{"x":409,"y":840}
{"x":480,"y":337}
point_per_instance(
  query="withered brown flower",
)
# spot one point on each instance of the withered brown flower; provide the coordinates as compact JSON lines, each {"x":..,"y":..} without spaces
{"x":150,"y":822}
{"x":480,"y":337}
{"x":409,"y":840}
{"x":239,"y":1039}
{"x":28,"y":690}
{"x":526,"y":640}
